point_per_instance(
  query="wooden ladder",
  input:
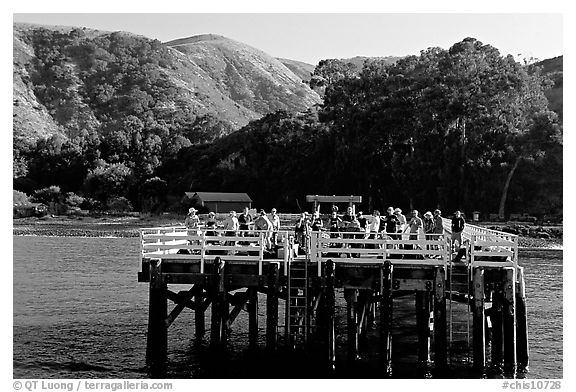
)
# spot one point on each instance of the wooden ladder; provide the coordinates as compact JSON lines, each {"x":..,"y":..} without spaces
{"x":459,"y":310}
{"x":297,"y":315}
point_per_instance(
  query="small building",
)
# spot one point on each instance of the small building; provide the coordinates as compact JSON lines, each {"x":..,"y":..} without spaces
{"x":221,"y":201}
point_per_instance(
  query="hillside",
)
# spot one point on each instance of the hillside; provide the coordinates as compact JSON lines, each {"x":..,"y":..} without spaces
{"x":248,"y":76}
{"x":300,"y":69}
{"x":55,"y":87}
{"x":554,"y":68}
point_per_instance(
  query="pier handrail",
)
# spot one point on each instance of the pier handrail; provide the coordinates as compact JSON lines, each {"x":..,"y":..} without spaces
{"x":488,"y":247}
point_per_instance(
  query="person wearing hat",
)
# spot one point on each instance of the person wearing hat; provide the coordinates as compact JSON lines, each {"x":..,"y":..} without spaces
{"x":192,"y":220}
{"x":401,"y":221}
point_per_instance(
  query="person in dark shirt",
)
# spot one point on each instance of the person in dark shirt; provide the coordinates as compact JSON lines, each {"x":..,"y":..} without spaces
{"x":245,"y":220}
{"x":316,"y":222}
{"x":335,"y":222}
{"x":349,"y":216}
{"x":391,"y":223}
{"x":458,"y":224}
{"x":362,"y":220}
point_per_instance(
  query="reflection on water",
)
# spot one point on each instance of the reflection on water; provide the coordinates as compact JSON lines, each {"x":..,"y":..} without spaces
{"x":79,"y":312}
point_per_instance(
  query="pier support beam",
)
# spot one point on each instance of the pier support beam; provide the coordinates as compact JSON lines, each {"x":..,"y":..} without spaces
{"x":157,"y":340}
{"x":496,"y":319}
{"x":440,"y":343}
{"x":351,"y":296}
{"x":272,"y":306}
{"x":386,"y":306}
{"x":218,"y":330}
{"x":253,"y":317}
{"x":522,"y":356}
{"x":199,"y":311}
{"x":330,"y":314}
{"x":478,"y":320}
{"x":422,"y":325}
{"x":509,"y":319}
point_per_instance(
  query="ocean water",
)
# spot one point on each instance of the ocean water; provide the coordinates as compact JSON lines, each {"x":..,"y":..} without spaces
{"x":79,"y":312}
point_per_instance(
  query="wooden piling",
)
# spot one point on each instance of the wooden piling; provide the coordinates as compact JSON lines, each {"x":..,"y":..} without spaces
{"x":440,"y":342}
{"x":157,"y":339}
{"x":351,"y":297}
{"x":253,"y":317}
{"x":199,"y":311}
{"x":330,"y":314}
{"x":478,"y":320}
{"x":496,"y":319}
{"x":272,"y":306}
{"x":522,"y":355}
{"x":386,"y":306}
{"x":219,"y":306}
{"x":509,"y":319}
{"x":422,"y":325}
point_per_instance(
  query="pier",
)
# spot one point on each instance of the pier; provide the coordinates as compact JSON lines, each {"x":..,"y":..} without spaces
{"x":469,"y":300}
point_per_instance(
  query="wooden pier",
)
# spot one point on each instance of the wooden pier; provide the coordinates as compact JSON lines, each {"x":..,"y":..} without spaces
{"x":474,"y":305}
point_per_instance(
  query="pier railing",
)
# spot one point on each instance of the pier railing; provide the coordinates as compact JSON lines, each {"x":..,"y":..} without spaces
{"x":180,"y":243}
{"x":487,"y":247}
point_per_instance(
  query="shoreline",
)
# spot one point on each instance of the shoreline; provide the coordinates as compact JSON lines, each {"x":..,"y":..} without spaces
{"x":128,"y":227}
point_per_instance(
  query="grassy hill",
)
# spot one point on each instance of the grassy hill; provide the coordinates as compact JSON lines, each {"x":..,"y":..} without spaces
{"x":56,"y":88}
{"x":251,"y":78}
{"x":300,"y":69}
{"x":554,"y":68}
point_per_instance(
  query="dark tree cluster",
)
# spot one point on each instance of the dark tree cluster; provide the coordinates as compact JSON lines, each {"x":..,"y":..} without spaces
{"x":119,"y":113}
{"x":463,"y":128}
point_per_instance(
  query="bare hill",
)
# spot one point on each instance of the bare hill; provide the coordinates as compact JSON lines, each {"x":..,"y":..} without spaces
{"x":248,"y":76}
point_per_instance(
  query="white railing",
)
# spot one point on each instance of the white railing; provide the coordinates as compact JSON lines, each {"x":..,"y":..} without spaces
{"x":487,"y":247}
{"x":180,"y":243}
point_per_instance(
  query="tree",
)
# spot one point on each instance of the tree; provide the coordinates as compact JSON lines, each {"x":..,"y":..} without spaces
{"x":433,"y":128}
{"x":107,"y":181}
{"x":330,"y":71}
{"x":530,"y":144}
{"x":153,"y":194}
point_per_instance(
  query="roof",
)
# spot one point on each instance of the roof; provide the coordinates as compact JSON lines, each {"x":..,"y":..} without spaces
{"x":220,"y":196}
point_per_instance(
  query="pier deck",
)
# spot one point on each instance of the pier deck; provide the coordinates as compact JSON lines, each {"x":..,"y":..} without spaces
{"x":455,"y":296}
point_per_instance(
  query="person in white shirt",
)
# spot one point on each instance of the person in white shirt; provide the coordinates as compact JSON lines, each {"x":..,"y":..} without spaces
{"x":263,"y":224}
{"x":275,"y":219}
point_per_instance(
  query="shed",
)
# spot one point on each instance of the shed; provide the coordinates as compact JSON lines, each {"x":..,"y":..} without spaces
{"x":221,"y":201}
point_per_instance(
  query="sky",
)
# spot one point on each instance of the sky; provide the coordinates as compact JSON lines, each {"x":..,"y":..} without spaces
{"x":312,"y":37}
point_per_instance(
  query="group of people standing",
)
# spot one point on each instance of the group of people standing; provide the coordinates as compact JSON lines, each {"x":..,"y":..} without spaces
{"x":242,"y":225}
{"x":393,"y":224}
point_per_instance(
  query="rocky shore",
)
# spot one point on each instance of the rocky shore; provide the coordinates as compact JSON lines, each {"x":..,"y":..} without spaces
{"x":531,"y":236}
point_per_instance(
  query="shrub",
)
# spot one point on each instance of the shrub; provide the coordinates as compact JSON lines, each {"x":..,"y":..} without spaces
{"x":119,"y":204}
